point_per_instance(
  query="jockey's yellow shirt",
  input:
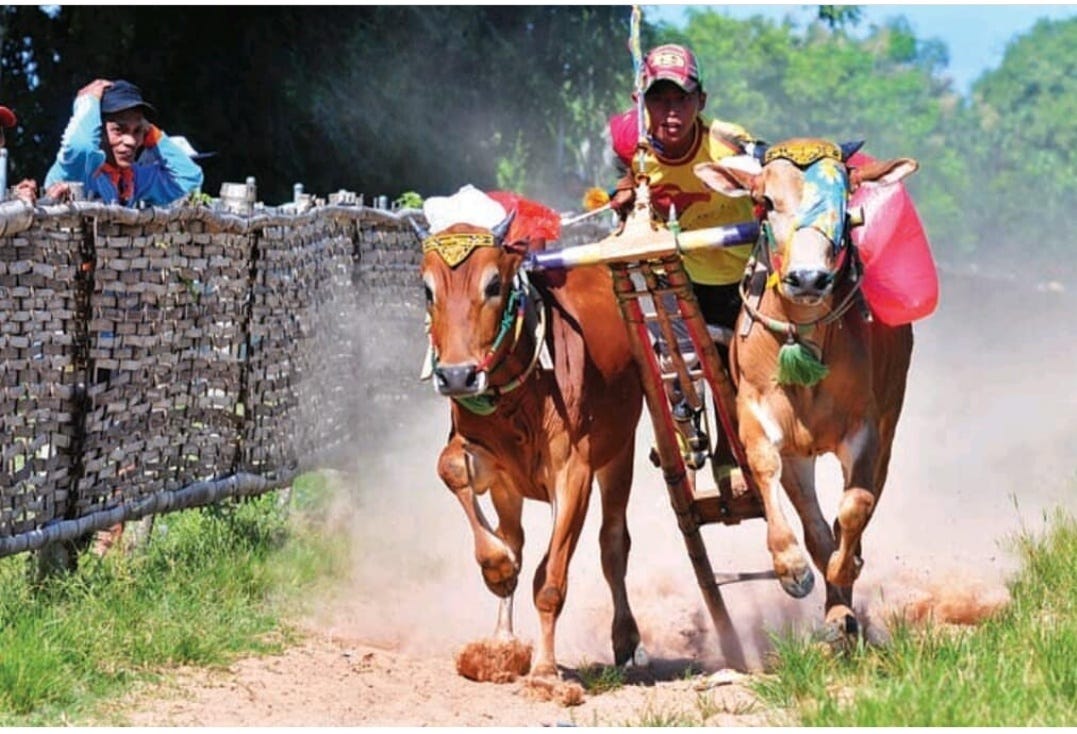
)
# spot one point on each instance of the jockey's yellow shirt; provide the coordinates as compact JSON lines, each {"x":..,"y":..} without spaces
{"x":699,"y":207}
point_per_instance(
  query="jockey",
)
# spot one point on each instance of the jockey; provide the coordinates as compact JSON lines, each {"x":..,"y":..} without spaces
{"x":680,"y":137}
{"x":117,"y":154}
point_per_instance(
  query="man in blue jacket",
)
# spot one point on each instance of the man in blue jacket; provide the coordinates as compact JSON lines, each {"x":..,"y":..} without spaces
{"x":114,"y":150}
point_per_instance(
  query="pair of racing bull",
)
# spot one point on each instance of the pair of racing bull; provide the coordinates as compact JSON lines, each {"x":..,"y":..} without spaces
{"x":547,"y":395}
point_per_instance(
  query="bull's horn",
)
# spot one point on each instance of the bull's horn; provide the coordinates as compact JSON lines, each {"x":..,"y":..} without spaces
{"x":848,"y":149}
{"x":500,"y":229}
{"x":420,"y":230}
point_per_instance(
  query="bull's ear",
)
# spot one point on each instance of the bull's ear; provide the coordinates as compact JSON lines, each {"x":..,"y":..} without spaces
{"x":500,"y":229}
{"x":884,"y":173}
{"x":420,"y":230}
{"x":848,"y":150}
{"x":734,"y":176}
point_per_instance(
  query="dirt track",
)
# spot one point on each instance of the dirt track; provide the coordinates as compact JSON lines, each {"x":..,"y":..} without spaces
{"x":985,"y":444}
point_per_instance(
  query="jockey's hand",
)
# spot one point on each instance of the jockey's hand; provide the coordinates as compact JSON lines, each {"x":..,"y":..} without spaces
{"x":96,"y":88}
{"x":624,"y":196}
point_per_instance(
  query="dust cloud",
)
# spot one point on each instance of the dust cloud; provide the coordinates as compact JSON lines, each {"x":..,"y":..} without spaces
{"x":985,"y":447}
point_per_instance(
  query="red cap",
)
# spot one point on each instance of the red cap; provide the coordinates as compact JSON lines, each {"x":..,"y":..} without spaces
{"x":7,"y":117}
{"x":672,"y":62}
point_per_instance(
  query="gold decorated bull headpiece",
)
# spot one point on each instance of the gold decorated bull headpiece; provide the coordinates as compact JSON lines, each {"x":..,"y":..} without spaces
{"x":454,"y":248}
{"x":803,"y":152}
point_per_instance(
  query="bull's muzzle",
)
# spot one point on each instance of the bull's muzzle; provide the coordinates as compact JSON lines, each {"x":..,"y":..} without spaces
{"x":455,"y":380}
{"x":808,"y":286}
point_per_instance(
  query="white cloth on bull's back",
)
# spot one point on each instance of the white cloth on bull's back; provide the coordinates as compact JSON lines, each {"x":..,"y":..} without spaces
{"x":466,"y":206}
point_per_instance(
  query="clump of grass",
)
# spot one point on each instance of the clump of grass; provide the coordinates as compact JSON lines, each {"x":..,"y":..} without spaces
{"x":598,"y":678}
{"x":1015,"y":669}
{"x":212,"y":583}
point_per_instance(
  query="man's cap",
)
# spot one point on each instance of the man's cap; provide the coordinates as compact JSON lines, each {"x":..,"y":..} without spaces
{"x":673,"y":63}
{"x":123,"y":95}
{"x":7,"y":117}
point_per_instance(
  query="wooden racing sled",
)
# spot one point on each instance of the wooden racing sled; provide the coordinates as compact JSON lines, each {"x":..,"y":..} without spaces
{"x":688,"y":391}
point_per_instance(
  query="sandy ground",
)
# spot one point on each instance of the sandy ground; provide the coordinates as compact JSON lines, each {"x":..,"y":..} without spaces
{"x":985,"y":446}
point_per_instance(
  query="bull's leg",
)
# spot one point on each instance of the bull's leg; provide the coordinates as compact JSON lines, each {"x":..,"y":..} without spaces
{"x":509,"y":508}
{"x":571,"y":495}
{"x":858,"y":454}
{"x":500,"y":565}
{"x":761,"y":437}
{"x":615,"y":483}
{"x":798,"y":477}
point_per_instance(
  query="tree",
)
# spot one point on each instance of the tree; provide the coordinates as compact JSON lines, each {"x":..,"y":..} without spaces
{"x":377,"y":99}
{"x":839,"y":16}
{"x":1021,"y":143}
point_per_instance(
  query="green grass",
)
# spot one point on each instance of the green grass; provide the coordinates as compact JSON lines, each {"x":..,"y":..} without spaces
{"x":1019,"y":668}
{"x":212,"y":584}
{"x":597,"y":678}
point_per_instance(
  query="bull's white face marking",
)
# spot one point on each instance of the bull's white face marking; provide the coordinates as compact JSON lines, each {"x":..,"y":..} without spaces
{"x":809,"y":250}
{"x":770,"y":426}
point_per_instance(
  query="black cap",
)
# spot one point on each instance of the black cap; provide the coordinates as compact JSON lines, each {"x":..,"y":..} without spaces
{"x":123,"y":95}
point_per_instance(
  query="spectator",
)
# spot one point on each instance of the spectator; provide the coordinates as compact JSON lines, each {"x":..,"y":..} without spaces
{"x":113,"y":148}
{"x":27,"y":188}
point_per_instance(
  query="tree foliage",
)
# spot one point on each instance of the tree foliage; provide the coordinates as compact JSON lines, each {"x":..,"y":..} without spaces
{"x":390,"y":99}
{"x":1021,"y":138}
{"x":380,"y":99}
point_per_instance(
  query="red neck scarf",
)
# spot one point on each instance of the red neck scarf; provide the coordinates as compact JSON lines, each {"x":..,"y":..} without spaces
{"x":122,"y":178}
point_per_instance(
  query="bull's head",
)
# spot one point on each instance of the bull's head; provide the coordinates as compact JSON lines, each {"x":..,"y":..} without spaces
{"x":468,"y":273}
{"x":802,"y":190}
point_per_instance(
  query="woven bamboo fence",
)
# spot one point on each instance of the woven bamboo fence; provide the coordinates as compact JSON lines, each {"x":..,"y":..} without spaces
{"x":153,"y":360}
{"x":159,"y":359}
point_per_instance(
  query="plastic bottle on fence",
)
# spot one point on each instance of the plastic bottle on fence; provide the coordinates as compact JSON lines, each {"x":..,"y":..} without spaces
{"x":900,"y":279}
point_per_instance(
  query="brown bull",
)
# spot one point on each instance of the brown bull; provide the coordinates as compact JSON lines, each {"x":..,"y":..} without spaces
{"x":521,"y":431}
{"x":814,"y":375}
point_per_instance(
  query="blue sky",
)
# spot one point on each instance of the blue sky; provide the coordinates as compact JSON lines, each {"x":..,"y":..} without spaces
{"x":975,"y":35}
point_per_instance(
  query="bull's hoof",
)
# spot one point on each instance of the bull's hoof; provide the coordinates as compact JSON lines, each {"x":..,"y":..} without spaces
{"x":798,"y":585}
{"x":500,"y":575}
{"x":639,"y":658}
{"x":841,"y":633}
{"x":546,"y":671}
{"x":626,"y":643}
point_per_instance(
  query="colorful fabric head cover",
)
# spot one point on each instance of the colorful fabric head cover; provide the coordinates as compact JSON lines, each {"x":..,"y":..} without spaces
{"x":466,"y":206}
{"x":826,"y":185}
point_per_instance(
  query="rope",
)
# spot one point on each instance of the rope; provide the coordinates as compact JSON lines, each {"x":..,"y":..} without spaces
{"x":637,"y":70}
{"x":798,"y":362}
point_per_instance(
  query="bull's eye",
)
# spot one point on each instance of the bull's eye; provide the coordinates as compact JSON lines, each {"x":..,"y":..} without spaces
{"x":768,"y":203}
{"x":429,"y":294}
{"x":493,"y":288}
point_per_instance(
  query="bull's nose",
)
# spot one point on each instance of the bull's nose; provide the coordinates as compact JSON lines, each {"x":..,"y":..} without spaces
{"x":457,"y":379}
{"x":808,"y":282}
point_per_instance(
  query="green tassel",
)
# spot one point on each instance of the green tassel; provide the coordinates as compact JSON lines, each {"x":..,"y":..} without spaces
{"x":798,"y":365}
